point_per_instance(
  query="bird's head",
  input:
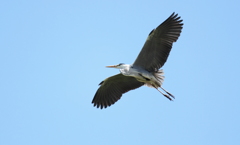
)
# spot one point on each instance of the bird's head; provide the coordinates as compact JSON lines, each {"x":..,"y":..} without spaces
{"x":118,"y":66}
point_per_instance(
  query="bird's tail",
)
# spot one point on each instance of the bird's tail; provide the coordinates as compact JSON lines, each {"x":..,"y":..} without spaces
{"x":159,"y":76}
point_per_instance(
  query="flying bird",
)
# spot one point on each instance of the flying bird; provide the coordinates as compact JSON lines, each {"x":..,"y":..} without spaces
{"x":145,"y":69}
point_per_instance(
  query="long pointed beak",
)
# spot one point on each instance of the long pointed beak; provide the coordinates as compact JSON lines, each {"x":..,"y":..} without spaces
{"x":112,"y":66}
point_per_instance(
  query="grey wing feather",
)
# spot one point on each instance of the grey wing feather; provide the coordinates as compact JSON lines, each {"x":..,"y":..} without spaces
{"x":112,"y":88}
{"x":159,"y":43}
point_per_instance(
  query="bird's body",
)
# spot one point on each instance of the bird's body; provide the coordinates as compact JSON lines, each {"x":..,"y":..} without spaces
{"x":145,"y":69}
{"x":150,"y":79}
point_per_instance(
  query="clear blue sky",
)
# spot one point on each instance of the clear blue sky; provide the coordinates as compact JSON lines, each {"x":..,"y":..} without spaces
{"x":53,"y":56}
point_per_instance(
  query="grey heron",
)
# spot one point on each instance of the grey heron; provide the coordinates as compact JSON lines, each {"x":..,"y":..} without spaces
{"x":145,"y":69}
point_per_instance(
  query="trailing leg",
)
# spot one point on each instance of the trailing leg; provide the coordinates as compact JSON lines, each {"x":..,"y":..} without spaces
{"x":167,"y":96}
{"x":167,"y":92}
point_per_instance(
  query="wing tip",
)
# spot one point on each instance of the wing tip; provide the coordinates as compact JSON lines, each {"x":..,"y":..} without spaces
{"x":101,"y":105}
{"x":101,"y":101}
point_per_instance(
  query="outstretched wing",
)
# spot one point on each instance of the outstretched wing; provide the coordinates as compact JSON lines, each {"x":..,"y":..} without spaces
{"x":112,"y":88}
{"x":159,"y":43}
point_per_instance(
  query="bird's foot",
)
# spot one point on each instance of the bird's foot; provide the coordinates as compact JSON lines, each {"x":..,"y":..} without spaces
{"x":167,"y":96}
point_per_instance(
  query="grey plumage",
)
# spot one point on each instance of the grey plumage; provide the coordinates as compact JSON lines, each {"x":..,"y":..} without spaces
{"x":112,"y":88}
{"x":159,"y":44}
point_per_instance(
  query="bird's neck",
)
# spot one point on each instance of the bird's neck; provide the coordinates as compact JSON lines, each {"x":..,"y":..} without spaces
{"x":125,"y":66}
{"x":125,"y":69}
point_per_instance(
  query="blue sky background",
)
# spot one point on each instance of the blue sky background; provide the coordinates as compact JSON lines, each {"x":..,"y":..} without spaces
{"x":53,"y":56}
